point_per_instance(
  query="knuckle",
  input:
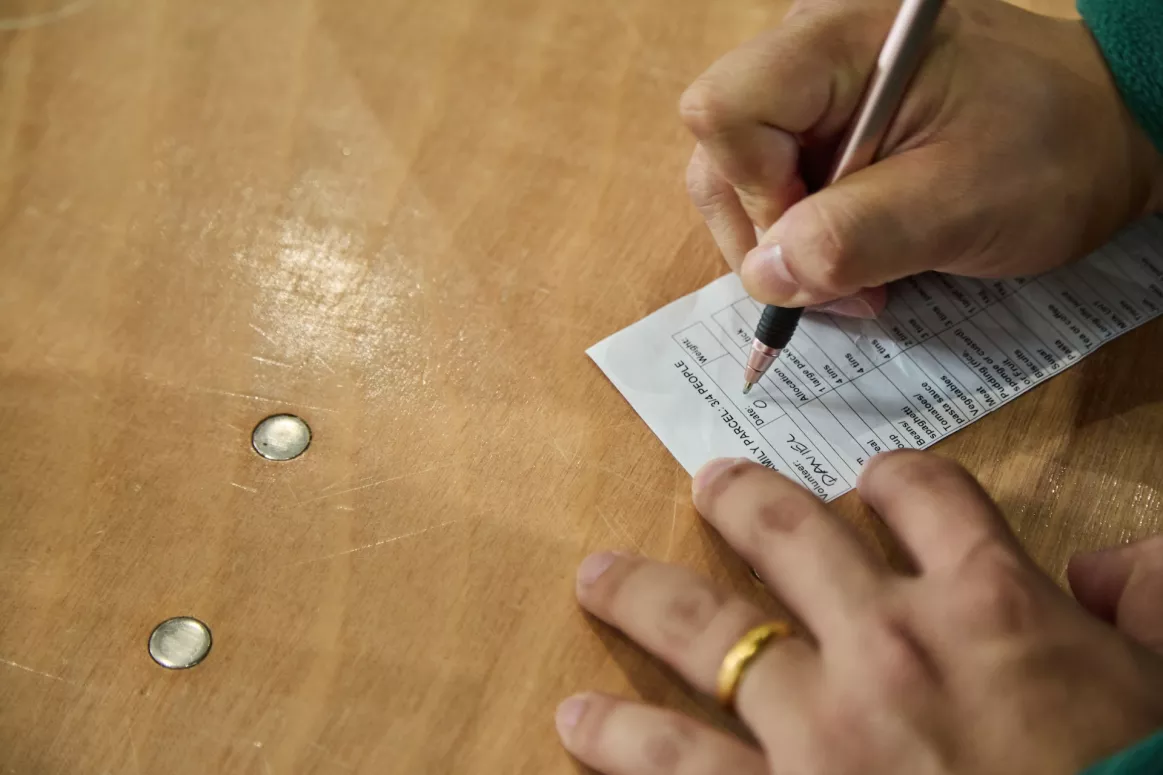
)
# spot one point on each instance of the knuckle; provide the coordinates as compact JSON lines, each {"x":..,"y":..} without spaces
{"x":664,"y":750}
{"x":761,"y":502}
{"x":900,"y":667}
{"x":703,"y":186}
{"x":687,"y":615}
{"x":839,"y":733}
{"x":710,"y":498}
{"x":702,"y":109}
{"x":994,"y":592}
{"x":782,"y":515}
{"x":906,"y":469}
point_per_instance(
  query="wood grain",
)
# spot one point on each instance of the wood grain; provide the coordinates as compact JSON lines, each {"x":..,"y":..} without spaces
{"x":403,"y":222}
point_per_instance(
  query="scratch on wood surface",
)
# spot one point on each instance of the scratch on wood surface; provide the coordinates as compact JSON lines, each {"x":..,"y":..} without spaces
{"x":377,"y":544}
{"x":632,"y":483}
{"x":41,"y":19}
{"x":378,"y":482}
{"x":628,"y":24}
{"x":272,"y":362}
{"x":263,"y":334}
{"x":673,"y":523}
{"x":251,"y":397}
{"x":345,"y":480}
{"x":564,"y":455}
{"x":41,"y":673}
{"x":332,"y":757}
{"x":64,"y":372}
{"x":619,"y":531}
{"x":621,"y":424}
{"x":322,"y":362}
{"x":243,"y":487}
{"x":132,"y":747}
{"x":333,"y":485}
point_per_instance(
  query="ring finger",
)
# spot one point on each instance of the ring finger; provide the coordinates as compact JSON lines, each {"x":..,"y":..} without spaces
{"x":691,"y":625}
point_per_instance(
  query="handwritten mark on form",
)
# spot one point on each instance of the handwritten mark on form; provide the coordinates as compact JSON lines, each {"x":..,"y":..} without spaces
{"x":946,"y":351}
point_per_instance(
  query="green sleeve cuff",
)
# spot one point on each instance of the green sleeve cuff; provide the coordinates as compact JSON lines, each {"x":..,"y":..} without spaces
{"x":1143,"y":758}
{"x":1130,"y":34}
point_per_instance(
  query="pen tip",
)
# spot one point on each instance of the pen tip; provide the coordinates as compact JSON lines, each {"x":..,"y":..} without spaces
{"x":746,"y":388}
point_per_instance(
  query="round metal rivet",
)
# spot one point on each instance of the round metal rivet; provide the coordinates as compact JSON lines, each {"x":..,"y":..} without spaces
{"x":179,"y":643}
{"x":281,"y":437}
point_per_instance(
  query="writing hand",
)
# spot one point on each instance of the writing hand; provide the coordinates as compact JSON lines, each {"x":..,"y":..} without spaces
{"x":1012,"y":152}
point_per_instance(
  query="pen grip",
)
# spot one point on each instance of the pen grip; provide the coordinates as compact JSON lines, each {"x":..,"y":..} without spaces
{"x":776,"y":326}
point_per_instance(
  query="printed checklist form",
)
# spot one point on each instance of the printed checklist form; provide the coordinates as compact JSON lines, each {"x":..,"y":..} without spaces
{"x":946,"y":351}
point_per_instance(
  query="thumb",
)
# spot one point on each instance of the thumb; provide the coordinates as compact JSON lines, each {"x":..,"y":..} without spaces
{"x":892,"y":219}
{"x":1124,"y":586}
{"x":866,"y":304}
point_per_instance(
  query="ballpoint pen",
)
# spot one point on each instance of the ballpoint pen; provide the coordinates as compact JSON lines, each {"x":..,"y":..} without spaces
{"x":901,"y":53}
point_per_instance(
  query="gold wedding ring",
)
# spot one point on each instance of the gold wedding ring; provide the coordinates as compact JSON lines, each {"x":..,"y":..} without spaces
{"x":742,"y":654}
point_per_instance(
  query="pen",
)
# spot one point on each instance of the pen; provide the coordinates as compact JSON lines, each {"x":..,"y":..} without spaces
{"x":899,"y":57}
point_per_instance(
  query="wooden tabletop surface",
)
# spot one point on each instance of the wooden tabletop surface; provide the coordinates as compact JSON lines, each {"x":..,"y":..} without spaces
{"x":403,"y":222}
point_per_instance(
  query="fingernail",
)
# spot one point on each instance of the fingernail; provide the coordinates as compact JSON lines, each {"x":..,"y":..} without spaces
{"x":594,"y":566}
{"x":852,"y":307}
{"x":569,"y":713}
{"x":768,"y":266}
{"x":710,"y":471}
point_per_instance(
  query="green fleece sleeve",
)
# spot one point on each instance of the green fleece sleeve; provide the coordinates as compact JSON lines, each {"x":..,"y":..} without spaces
{"x":1130,"y":34}
{"x":1143,"y":758}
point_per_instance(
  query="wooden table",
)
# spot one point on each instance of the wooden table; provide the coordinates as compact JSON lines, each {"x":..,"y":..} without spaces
{"x":403,"y":222}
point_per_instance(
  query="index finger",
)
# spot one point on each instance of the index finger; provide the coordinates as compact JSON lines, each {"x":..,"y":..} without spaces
{"x":751,"y":108}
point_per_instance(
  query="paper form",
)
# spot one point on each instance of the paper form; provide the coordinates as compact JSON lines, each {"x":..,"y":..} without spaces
{"x":946,"y":351}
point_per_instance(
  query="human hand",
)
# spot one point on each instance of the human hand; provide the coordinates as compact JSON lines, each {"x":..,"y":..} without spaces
{"x":1123,"y":586}
{"x":976,"y":664}
{"x":1011,"y":154}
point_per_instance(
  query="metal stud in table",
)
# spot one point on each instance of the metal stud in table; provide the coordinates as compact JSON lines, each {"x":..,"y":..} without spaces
{"x":180,"y":642}
{"x":281,"y":437}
